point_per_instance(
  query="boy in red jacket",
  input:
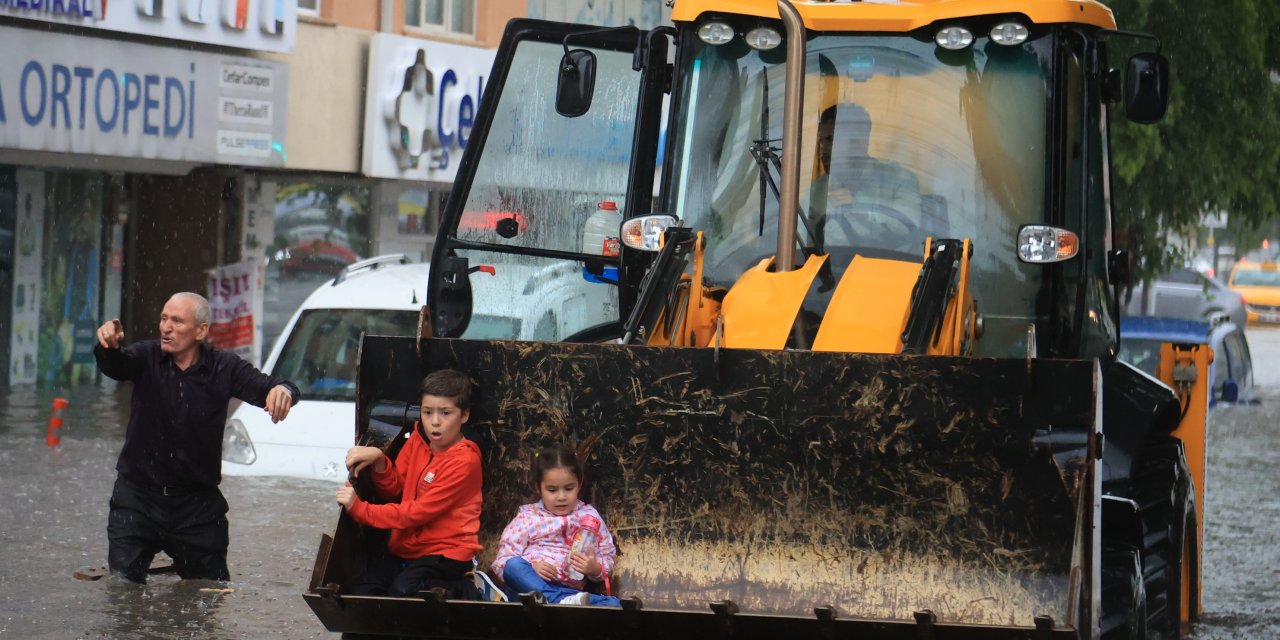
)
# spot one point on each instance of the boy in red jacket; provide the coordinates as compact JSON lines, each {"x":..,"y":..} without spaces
{"x":435,"y":525}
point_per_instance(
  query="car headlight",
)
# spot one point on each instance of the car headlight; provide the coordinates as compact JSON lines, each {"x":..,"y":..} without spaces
{"x":237,"y":447}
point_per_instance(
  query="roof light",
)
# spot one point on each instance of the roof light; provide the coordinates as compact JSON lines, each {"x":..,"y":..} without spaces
{"x":1042,"y":244}
{"x":1009,"y":33}
{"x":954,"y":37}
{"x":645,"y":232}
{"x":763,"y":38}
{"x":715,"y":33}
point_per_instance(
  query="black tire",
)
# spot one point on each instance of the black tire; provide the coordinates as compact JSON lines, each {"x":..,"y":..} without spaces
{"x":1166,"y":503}
{"x":1124,"y":595}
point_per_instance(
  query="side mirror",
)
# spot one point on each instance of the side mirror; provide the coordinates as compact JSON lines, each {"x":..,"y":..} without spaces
{"x":1146,"y":88}
{"x":576,"y":83}
{"x":1230,"y":391}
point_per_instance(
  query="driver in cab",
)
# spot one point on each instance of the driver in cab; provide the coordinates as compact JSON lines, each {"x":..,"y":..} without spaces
{"x":869,"y":198}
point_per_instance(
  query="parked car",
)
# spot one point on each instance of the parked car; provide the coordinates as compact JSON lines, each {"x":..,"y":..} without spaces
{"x":318,"y":351}
{"x":383,"y":296}
{"x":1231,"y":370}
{"x":1259,"y":284}
{"x":1188,"y":294}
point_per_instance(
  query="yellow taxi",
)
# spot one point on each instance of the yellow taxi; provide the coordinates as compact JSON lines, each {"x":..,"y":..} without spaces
{"x":1259,"y":284}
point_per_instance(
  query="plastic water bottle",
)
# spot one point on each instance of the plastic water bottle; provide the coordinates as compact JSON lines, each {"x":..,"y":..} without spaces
{"x":584,"y":541}
{"x":600,"y":234}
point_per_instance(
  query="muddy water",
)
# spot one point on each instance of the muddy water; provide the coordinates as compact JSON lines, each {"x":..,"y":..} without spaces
{"x":53,"y":508}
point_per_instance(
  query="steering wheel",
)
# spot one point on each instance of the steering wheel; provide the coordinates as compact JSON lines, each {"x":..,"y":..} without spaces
{"x":875,"y":215}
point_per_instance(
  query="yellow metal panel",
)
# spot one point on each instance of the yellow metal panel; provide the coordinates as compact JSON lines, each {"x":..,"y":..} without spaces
{"x":904,"y":15}
{"x":761,"y":308}
{"x":869,"y":307}
{"x":1193,"y":432}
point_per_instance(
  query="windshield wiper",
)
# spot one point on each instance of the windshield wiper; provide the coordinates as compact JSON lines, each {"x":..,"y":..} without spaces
{"x":767,"y":158}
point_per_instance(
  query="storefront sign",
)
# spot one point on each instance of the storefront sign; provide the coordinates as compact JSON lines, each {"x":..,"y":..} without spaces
{"x":232,"y":289}
{"x":261,"y":25}
{"x":421,"y":105}
{"x":85,"y":95}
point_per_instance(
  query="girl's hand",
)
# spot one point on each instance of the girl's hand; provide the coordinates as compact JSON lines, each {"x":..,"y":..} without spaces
{"x":546,"y":570}
{"x":587,"y":565}
{"x":360,"y":457}
{"x":346,"y":496}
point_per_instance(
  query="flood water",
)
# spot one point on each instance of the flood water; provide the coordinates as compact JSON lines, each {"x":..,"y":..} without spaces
{"x":53,"y":511}
{"x":53,"y":506}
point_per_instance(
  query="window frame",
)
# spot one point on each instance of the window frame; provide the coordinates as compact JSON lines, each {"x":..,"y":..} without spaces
{"x":317,"y":12}
{"x":446,"y":19}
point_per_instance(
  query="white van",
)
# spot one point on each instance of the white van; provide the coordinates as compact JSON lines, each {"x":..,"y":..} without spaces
{"x":317,"y":351}
{"x":383,"y":296}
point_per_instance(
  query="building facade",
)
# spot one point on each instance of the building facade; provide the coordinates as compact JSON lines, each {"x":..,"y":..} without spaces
{"x":145,"y":145}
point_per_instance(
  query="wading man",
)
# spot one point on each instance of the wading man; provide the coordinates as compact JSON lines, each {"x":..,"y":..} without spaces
{"x":166,"y":495}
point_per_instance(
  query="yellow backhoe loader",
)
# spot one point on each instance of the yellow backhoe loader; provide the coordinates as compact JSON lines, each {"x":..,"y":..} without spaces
{"x":848,"y":370}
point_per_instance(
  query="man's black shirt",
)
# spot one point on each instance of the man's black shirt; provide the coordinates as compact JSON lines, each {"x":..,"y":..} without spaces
{"x":177,"y":417}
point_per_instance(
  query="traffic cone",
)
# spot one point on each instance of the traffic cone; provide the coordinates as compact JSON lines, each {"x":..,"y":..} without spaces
{"x":51,"y":438}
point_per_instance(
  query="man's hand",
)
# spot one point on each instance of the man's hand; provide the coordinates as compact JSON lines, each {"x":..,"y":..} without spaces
{"x":279,"y":401}
{"x":346,"y":496}
{"x":111,"y":334}
{"x":360,"y":457}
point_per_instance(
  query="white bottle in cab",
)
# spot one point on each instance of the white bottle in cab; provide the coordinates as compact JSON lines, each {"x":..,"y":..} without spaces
{"x":584,"y":541}
{"x":600,"y":234}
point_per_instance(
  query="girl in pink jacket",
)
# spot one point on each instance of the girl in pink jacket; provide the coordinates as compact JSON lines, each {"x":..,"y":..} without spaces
{"x":535,"y":553}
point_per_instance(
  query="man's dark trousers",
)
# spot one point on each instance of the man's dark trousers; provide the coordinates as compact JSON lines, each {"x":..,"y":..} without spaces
{"x":189,"y":524}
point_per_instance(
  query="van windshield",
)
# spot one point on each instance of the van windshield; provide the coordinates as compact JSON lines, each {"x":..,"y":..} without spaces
{"x":321,"y":352}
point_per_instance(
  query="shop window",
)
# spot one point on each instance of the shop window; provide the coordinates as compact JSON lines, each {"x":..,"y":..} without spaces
{"x":418,"y":211}
{"x":320,"y":228}
{"x":453,"y":16}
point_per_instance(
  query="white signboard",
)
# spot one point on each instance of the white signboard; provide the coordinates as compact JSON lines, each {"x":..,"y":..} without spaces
{"x":84,"y":95}
{"x":421,"y":105}
{"x":261,"y":25}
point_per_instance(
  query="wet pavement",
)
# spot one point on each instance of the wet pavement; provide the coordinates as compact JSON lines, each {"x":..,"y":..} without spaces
{"x":53,"y":506}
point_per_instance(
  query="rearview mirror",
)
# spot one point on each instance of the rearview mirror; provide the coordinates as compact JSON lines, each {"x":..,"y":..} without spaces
{"x":576,"y":83}
{"x":1146,"y":88}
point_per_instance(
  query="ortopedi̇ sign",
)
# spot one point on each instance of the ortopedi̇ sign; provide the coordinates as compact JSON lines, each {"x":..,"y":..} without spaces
{"x":74,"y":94}
{"x":261,"y":25}
{"x":421,"y":105}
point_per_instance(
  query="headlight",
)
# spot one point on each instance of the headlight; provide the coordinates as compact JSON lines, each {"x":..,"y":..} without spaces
{"x":715,"y":33}
{"x":1009,"y":33}
{"x":763,"y":38}
{"x":237,"y":447}
{"x":645,"y":232}
{"x":954,"y":37}
{"x":1038,"y":243}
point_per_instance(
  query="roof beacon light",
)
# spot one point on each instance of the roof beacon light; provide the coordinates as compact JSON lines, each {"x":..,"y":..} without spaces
{"x":1042,"y":244}
{"x":763,"y":38}
{"x":954,"y":38}
{"x":715,"y":33}
{"x":645,"y":232}
{"x":1009,"y":33}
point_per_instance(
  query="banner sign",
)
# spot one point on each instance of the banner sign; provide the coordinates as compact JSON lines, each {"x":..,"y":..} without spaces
{"x":261,"y":25}
{"x":232,"y":294}
{"x":75,"y":94}
{"x":421,"y":105}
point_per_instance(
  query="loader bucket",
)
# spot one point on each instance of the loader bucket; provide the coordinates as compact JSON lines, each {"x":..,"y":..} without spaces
{"x":767,"y":493}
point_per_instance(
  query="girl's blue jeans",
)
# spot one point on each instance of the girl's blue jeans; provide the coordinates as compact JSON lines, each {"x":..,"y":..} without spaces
{"x":520,"y":577}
